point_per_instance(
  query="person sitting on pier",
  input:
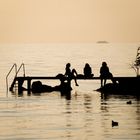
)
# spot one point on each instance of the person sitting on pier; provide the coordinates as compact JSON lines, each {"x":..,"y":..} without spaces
{"x":105,"y":74}
{"x":71,"y":74}
{"x":88,"y":71}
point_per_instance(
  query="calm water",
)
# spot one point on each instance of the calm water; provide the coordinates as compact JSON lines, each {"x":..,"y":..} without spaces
{"x":88,"y":114}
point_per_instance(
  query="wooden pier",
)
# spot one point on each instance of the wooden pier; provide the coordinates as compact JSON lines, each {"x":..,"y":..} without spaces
{"x":28,"y":79}
{"x":127,"y":83}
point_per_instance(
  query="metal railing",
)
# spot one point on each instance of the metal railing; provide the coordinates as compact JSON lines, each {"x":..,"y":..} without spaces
{"x":21,"y":66}
{"x":16,"y":73}
{"x":14,"y":66}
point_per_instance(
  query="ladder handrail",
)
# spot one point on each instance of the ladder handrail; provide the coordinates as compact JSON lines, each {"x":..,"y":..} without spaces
{"x":22,"y":65}
{"x":14,"y":66}
{"x":16,"y":72}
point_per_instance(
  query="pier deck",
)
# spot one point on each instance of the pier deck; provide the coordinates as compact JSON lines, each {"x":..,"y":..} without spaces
{"x":57,"y":78}
{"x":30,"y":78}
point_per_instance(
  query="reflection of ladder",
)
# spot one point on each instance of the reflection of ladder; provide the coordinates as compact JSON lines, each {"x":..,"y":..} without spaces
{"x":15,"y":77}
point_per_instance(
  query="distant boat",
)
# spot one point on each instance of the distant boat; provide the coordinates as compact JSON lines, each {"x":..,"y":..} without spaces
{"x":102,"y":41}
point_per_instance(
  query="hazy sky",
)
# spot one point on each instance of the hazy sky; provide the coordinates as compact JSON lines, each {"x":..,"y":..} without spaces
{"x":42,"y":21}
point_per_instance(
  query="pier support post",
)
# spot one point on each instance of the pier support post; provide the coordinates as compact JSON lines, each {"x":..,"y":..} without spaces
{"x":20,"y":83}
{"x":29,"y":86}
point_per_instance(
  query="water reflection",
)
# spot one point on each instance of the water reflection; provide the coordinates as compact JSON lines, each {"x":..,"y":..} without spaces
{"x":85,"y":116}
{"x":88,"y":117}
{"x":116,"y":107}
{"x":66,"y":95}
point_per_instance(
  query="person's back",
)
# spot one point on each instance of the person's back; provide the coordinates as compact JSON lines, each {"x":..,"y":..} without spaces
{"x":105,"y":74}
{"x":68,"y":72}
{"x":104,"y":70}
{"x":87,"y":71}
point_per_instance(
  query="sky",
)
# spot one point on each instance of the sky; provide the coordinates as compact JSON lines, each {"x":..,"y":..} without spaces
{"x":69,"y":21}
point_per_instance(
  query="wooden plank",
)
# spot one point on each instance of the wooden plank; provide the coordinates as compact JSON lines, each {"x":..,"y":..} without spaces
{"x":56,"y":78}
{"x":29,"y":78}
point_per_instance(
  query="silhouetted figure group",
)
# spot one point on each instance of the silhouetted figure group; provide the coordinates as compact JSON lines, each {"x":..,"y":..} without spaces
{"x":65,"y":79}
{"x":87,"y":70}
{"x":72,"y":74}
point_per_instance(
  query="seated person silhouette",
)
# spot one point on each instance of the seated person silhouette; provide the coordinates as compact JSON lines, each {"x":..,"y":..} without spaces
{"x":105,"y":74}
{"x":71,"y":74}
{"x":88,"y":71}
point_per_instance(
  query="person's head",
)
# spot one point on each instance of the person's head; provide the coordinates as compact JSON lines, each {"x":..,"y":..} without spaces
{"x":67,"y":65}
{"x":86,"y":65}
{"x":104,"y":64}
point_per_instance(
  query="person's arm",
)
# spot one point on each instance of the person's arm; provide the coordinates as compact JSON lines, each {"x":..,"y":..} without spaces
{"x":101,"y":70}
{"x":65,"y":72}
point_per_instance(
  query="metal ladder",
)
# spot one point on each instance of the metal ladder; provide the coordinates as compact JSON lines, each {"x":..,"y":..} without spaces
{"x":16,"y":74}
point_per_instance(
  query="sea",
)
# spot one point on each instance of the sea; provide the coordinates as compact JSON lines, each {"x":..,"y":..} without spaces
{"x":88,"y":114}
